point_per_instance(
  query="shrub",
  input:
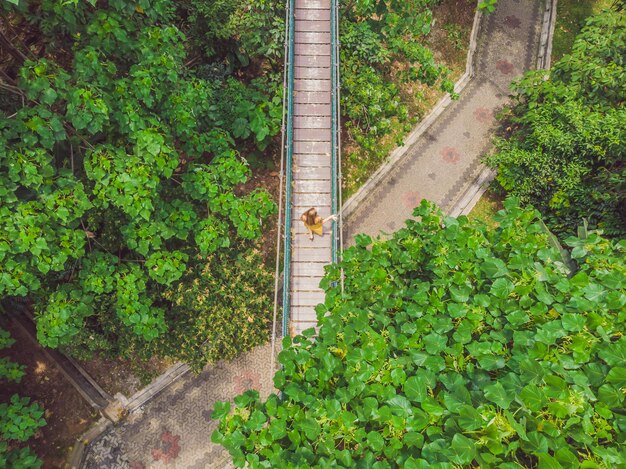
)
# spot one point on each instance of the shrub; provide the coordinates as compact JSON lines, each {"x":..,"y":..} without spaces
{"x":222,"y":307}
{"x":19,"y":420}
{"x":453,"y":345}
{"x":118,"y":166}
{"x":566,"y":153}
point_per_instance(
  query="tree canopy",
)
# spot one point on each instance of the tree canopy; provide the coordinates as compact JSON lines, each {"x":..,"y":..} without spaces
{"x":453,"y":345}
{"x":120,"y":166}
{"x":566,"y":152}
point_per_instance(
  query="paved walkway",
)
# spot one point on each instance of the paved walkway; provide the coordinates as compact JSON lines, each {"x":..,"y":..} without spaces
{"x":174,"y":429}
{"x":445,"y":160}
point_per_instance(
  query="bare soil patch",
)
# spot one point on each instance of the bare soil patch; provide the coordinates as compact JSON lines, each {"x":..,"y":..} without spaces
{"x":125,"y":376}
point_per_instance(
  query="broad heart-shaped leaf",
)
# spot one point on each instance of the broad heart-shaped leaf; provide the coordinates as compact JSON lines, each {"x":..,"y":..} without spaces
{"x":594,"y":292}
{"x":501,"y":288}
{"x":494,"y":268}
{"x":415,"y":389}
{"x":462,"y":450}
{"x":610,"y":396}
{"x":617,"y":376}
{"x":220,"y":410}
{"x":278,"y":429}
{"x":614,"y":354}
{"x":533,"y":397}
{"x":310,"y":427}
{"x":469,"y":418}
{"x":400,"y":405}
{"x":532,"y":371}
{"x":376,"y":441}
{"x":536,"y":443}
{"x":573,"y":322}
{"x":566,"y":457}
{"x":434,"y":343}
{"x":548,"y":462}
{"x":412,"y":463}
{"x":498,"y":395}
{"x":256,"y":421}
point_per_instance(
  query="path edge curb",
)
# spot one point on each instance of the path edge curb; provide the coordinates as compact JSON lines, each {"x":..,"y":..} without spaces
{"x":160,"y":383}
{"x":396,"y":155}
{"x":470,"y":197}
{"x":75,"y":459}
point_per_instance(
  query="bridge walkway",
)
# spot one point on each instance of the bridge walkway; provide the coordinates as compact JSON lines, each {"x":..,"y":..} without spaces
{"x":312,"y":151}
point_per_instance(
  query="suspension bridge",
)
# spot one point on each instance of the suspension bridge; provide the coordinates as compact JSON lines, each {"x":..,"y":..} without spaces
{"x":310,"y":163}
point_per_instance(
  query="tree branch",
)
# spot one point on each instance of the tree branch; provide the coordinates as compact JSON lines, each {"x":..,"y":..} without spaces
{"x":14,"y":51}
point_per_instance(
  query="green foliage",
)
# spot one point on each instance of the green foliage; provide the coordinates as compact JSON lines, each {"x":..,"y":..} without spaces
{"x":382,"y":48}
{"x":121,"y":166}
{"x":237,"y":32}
{"x":488,"y":6}
{"x":454,"y":344}
{"x":9,"y":370}
{"x":222,"y":307}
{"x":19,"y":458}
{"x":19,"y":420}
{"x":566,"y":155}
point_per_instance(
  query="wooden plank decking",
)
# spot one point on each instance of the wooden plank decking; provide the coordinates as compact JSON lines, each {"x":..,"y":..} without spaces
{"x":312,"y":133}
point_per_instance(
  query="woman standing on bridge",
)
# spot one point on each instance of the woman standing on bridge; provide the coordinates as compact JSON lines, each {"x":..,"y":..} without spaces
{"x":314,"y":223}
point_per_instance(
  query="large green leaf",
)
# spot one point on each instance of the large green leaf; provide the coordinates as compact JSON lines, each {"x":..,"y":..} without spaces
{"x":310,"y":427}
{"x":497,"y":394}
{"x":415,"y":389}
{"x":462,"y":450}
{"x":617,"y":376}
{"x":375,"y":440}
{"x":533,"y":397}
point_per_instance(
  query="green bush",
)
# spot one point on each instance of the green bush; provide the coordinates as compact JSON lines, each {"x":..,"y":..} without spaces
{"x":223,"y":306}
{"x":9,"y":370}
{"x":453,"y":345}
{"x":118,"y":164}
{"x":380,"y":49}
{"x":18,"y":420}
{"x":566,"y":153}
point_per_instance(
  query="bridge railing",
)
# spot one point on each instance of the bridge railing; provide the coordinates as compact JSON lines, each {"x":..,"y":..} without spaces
{"x":290,"y":63}
{"x":288,"y":150}
{"x":335,"y":124}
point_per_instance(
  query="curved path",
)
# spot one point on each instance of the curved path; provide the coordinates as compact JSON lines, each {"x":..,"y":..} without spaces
{"x":445,"y":160}
{"x":173,"y":430}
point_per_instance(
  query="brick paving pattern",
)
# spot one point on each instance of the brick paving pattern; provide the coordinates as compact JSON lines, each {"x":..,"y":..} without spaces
{"x":173,"y":430}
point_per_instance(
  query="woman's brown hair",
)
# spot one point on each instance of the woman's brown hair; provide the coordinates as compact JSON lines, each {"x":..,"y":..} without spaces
{"x":309,"y":216}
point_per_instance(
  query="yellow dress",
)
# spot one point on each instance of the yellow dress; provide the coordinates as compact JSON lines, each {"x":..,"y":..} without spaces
{"x":318,"y":228}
